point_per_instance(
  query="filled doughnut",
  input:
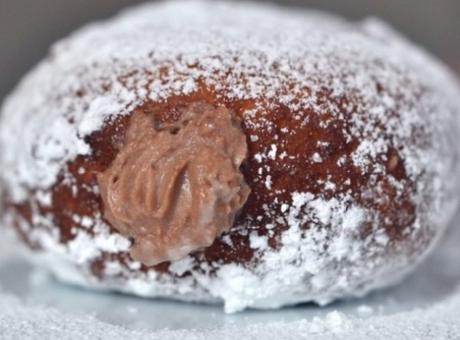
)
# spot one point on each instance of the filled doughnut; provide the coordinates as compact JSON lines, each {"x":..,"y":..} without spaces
{"x":227,"y":152}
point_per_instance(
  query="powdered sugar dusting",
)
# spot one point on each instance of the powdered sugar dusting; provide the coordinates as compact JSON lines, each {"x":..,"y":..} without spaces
{"x":272,"y":56}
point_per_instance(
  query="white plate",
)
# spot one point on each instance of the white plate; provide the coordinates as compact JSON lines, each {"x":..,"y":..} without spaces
{"x":434,"y":287}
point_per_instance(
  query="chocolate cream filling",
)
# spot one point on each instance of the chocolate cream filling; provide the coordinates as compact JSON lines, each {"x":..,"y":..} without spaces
{"x":174,"y":188}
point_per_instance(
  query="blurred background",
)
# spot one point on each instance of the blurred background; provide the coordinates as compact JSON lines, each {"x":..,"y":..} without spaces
{"x":28,"y":27}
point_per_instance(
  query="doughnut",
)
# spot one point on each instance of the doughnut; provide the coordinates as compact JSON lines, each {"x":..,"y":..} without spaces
{"x":242,"y":154}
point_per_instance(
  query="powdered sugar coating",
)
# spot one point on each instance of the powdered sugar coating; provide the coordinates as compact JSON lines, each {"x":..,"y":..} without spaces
{"x":256,"y":53}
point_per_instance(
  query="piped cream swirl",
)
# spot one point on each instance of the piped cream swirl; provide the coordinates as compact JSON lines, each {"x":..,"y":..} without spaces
{"x":173,"y":189}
